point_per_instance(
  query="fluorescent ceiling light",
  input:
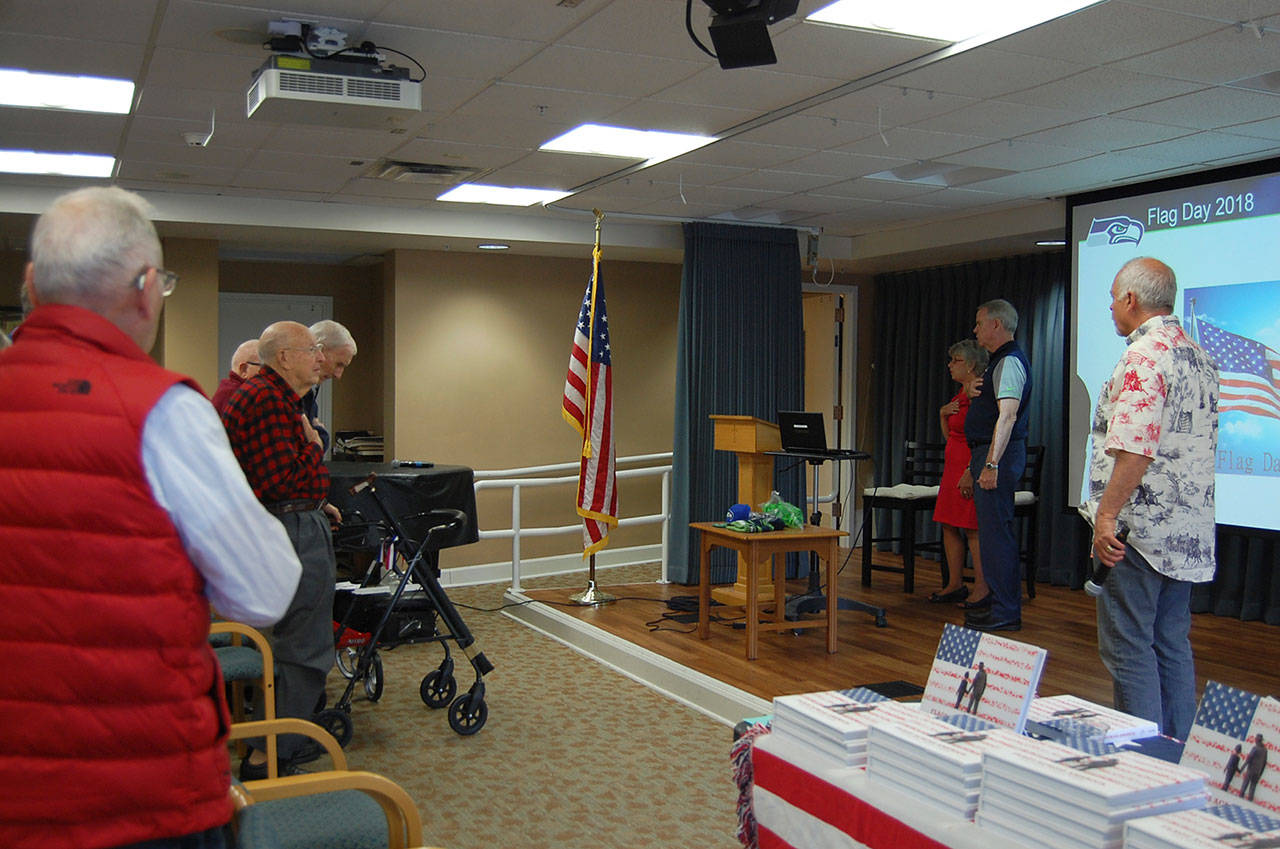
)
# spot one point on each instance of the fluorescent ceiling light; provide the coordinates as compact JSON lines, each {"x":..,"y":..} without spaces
{"x":492,"y":246}
{"x":653,"y":146}
{"x":501,"y":195}
{"x":1051,"y":243}
{"x":59,"y":91}
{"x":68,"y":164}
{"x":945,"y":20}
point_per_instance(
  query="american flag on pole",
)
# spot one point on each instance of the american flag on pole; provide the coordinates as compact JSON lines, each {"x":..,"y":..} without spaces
{"x":1250,"y":371}
{"x":588,"y":407}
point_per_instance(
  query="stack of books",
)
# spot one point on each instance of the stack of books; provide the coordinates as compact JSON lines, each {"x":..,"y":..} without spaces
{"x":832,"y":725}
{"x":1043,"y":794}
{"x":1071,"y":719}
{"x":933,"y":761}
{"x":983,"y":675}
{"x":1216,"y":827}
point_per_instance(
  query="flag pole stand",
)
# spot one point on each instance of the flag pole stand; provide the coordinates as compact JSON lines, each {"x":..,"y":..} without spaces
{"x":591,"y":595}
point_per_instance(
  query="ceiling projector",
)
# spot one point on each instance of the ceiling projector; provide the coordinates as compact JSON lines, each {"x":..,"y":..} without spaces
{"x":301,"y":89}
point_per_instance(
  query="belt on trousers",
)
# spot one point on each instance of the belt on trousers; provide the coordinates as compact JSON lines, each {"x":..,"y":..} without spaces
{"x":303,"y":506}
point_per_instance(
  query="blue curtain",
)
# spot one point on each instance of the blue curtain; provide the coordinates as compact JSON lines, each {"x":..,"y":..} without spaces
{"x":740,"y":352}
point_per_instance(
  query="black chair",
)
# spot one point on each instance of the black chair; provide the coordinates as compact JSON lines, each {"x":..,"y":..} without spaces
{"x":922,"y":471}
{"x":1026,"y":510}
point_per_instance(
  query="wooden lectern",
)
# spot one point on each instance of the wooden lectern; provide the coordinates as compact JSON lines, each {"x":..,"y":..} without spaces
{"x":748,"y":437}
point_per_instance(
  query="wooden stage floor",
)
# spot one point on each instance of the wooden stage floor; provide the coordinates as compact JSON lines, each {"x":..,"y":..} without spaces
{"x":1241,"y":654}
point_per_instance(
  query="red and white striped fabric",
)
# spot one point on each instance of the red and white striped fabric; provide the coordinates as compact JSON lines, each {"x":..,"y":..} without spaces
{"x":588,"y":408}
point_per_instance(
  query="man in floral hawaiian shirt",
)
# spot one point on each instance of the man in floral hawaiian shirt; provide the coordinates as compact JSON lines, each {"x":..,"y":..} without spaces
{"x":1155,"y":432}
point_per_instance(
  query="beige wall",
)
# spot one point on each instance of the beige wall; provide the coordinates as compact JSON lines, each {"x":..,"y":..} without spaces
{"x":357,"y":304}
{"x":188,"y":337}
{"x":482,"y":346}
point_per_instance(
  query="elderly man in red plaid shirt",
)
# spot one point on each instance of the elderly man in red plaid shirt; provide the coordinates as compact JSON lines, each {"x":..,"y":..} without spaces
{"x":282,"y":458}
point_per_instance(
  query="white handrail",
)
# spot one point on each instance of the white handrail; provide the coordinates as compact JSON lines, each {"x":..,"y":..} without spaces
{"x":518,"y":479}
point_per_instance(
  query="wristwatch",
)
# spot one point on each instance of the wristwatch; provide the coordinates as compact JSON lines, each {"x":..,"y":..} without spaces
{"x":992,"y":466}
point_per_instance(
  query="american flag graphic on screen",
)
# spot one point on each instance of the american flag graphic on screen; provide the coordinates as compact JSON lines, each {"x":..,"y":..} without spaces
{"x":1249,"y":371}
{"x":588,"y":407}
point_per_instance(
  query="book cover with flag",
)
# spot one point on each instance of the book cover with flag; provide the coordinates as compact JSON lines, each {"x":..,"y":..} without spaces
{"x":588,"y":408}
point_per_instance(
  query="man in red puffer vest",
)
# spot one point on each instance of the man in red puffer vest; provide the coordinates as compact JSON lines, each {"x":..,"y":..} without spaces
{"x":124,"y":514}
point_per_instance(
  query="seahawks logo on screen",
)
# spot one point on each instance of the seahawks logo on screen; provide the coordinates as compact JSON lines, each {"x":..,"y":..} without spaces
{"x":1114,"y":231}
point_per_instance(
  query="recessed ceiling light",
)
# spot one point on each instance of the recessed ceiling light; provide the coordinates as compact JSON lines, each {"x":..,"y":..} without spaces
{"x":58,"y":91}
{"x":653,"y":146}
{"x":1051,"y":243}
{"x":67,"y":164}
{"x":501,"y":195}
{"x":945,"y":20}
{"x":492,"y":246}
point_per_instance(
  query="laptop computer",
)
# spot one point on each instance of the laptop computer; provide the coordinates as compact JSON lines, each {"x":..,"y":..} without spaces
{"x":802,"y":432}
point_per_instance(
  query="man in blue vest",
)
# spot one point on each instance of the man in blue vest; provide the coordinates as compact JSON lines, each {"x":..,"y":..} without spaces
{"x":996,"y":428}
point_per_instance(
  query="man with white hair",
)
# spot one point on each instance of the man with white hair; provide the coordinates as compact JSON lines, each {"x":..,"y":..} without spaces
{"x":996,"y":429}
{"x":124,"y":515}
{"x":1155,"y":438}
{"x":244,"y":365}
{"x":283,"y":459}
{"x":337,"y":350}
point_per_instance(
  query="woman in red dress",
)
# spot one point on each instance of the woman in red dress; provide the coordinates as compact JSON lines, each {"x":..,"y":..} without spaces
{"x":954,"y":510}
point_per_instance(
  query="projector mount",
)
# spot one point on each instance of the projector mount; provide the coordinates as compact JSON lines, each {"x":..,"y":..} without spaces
{"x":312,"y":41}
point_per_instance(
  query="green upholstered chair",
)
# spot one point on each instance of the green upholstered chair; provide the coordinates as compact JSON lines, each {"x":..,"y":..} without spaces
{"x":242,"y":664}
{"x":336,"y":809}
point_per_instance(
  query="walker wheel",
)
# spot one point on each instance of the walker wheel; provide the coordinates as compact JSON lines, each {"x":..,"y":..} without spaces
{"x":467,"y":714}
{"x":438,"y":690}
{"x":373,"y":679}
{"x":346,"y":659}
{"x":338,"y":723}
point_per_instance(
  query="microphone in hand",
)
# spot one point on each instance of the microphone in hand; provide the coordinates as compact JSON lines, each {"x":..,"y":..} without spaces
{"x":1093,"y":586}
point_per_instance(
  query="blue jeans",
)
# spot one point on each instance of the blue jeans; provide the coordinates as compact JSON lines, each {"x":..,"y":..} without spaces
{"x":1144,"y":638}
{"x":997,"y":538}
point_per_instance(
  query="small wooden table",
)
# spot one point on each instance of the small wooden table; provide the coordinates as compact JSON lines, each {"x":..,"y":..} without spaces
{"x":756,"y":548}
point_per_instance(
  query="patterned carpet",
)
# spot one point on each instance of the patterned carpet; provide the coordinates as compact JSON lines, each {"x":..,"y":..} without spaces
{"x":573,"y":754}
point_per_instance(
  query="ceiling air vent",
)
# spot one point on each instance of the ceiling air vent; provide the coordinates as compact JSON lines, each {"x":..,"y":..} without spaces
{"x":424,"y":173}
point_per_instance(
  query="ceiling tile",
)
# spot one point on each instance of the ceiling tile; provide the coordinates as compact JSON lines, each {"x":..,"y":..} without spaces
{"x":366,"y":144}
{"x":608,"y":72}
{"x":678,"y":117}
{"x":907,"y":143}
{"x":1208,"y":109}
{"x":809,"y":131}
{"x":865,"y":188}
{"x":435,"y":151}
{"x":745,"y":88}
{"x":986,"y":71}
{"x":842,"y":53}
{"x":888,"y":106}
{"x":1106,"y":133}
{"x":70,"y":56}
{"x":124,"y":21}
{"x":1268,"y":128}
{"x":38,"y":129}
{"x":846,"y":164}
{"x":780,"y":181}
{"x":745,"y":154}
{"x":1100,"y":91}
{"x":1105,"y":33}
{"x":644,"y":27}
{"x":999,"y":119}
{"x":1228,"y":54}
{"x":538,"y":21}
{"x":1204,"y":147}
{"x":1018,"y":155}
{"x":504,"y":100}
{"x":1228,"y":11}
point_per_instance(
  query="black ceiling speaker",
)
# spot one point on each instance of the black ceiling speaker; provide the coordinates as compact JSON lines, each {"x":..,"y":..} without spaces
{"x":740,"y":30}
